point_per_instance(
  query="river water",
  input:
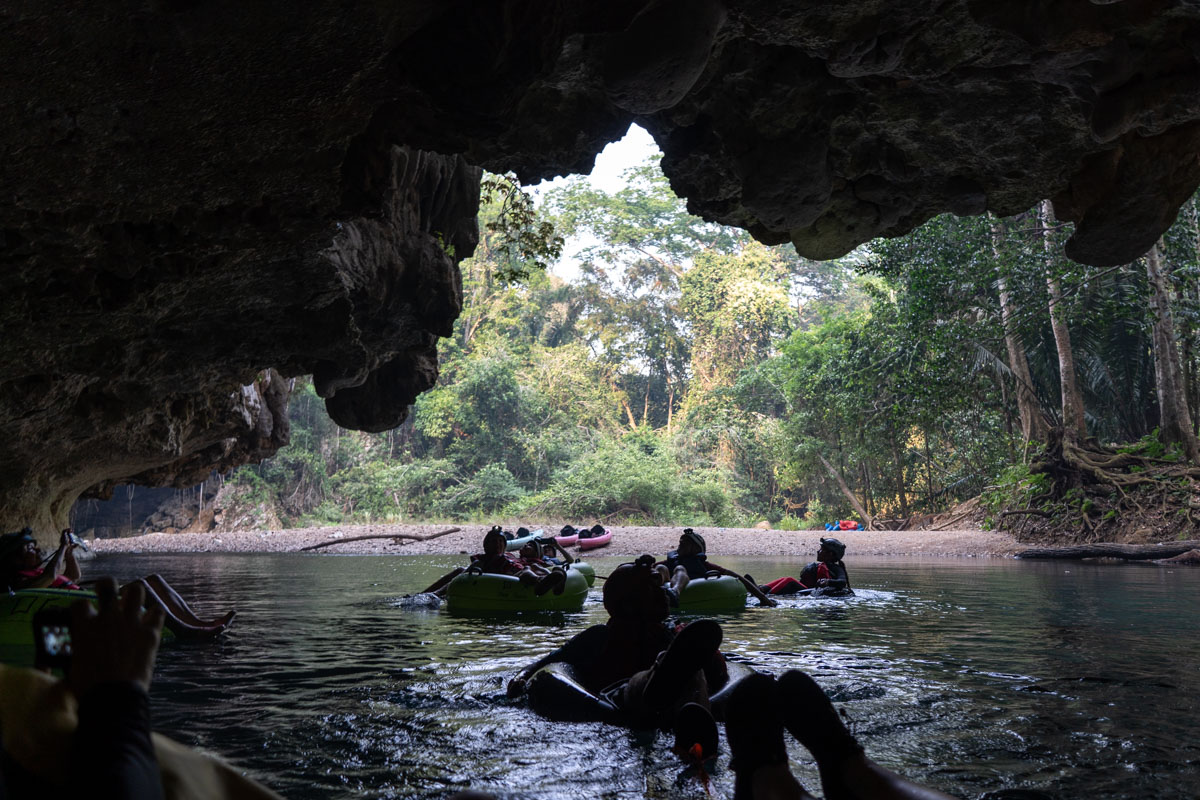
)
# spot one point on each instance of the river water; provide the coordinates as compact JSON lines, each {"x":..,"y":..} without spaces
{"x":970,"y":675}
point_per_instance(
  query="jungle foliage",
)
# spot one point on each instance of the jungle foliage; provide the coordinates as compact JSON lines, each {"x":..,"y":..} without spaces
{"x":688,"y":374}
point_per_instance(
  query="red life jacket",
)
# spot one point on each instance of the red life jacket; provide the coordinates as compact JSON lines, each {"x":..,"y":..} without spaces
{"x":59,"y":582}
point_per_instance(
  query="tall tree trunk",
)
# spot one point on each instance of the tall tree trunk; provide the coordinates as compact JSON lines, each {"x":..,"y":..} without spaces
{"x":837,"y":477}
{"x":901,"y":489}
{"x":1188,"y":333}
{"x":1187,"y":357}
{"x":1033,"y":421}
{"x":1074,"y":427}
{"x":629,"y":413}
{"x":670,"y":405}
{"x":928,"y":472}
{"x":1175,"y":421}
{"x":868,"y":493}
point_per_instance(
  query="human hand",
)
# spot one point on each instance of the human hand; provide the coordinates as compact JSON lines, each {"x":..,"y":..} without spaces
{"x":516,"y":687}
{"x":823,"y":582}
{"x":116,"y":643}
{"x":64,"y":539}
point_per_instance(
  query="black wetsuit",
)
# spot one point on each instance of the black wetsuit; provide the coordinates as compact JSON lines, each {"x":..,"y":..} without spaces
{"x":837,"y":576}
{"x":696,"y":566}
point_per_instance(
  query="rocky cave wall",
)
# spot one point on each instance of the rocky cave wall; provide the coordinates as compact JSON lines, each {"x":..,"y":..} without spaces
{"x":204,"y":199}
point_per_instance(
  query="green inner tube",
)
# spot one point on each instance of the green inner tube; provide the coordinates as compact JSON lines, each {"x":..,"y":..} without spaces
{"x":586,"y":570}
{"x":16,"y":620}
{"x":474,"y":593}
{"x":713,"y":594}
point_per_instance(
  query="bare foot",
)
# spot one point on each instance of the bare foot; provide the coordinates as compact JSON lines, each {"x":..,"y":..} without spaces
{"x":223,"y":621}
{"x":194,"y":633}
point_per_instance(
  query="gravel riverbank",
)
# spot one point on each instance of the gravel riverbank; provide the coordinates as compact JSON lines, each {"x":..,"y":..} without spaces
{"x":626,"y":541}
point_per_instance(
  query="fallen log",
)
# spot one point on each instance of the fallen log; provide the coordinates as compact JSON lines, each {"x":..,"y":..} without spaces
{"x":392,"y":536}
{"x":1190,"y":557}
{"x":1129,"y":552}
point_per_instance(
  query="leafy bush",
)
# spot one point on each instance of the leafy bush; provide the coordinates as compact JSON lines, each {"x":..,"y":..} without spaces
{"x":790,"y":523}
{"x":325,"y":514}
{"x":637,"y":478}
{"x":489,"y":490}
{"x":1016,"y":487}
{"x":816,"y":516}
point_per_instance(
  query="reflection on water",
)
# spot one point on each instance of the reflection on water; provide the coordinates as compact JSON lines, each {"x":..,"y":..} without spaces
{"x":969,"y":675}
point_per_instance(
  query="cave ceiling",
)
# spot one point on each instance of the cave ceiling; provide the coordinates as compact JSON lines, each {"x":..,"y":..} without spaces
{"x":205,"y":199}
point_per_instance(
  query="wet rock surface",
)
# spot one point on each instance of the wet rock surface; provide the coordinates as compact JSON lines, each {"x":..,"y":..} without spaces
{"x":205,"y":199}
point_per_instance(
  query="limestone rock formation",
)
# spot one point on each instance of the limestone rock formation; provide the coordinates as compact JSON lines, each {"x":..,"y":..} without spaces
{"x":206,"y":198}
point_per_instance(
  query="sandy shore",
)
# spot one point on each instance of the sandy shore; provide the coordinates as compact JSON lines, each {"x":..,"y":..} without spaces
{"x":626,"y":541}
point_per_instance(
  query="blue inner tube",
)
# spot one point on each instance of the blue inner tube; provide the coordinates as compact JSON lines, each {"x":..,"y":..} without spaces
{"x":517,"y":544}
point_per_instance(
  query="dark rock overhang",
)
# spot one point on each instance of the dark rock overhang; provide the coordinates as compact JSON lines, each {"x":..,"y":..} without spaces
{"x":202,"y":198}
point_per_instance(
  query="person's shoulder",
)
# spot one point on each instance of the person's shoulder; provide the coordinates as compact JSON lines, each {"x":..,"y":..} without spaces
{"x":595,"y":634}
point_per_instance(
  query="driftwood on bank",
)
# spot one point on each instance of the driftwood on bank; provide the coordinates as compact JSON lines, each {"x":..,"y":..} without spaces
{"x":382,"y":536}
{"x":1190,"y":557}
{"x":1129,"y":552}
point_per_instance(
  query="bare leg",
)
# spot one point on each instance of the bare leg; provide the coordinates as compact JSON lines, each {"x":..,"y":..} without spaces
{"x":693,"y":689}
{"x":181,"y":628}
{"x":858,"y":778}
{"x":755,"y":733}
{"x":775,"y":782}
{"x":71,"y":567}
{"x":556,"y":580}
{"x":177,"y":606}
{"x":553,"y":581}
{"x":687,"y":714}
{"x":679,"y":580}
{"x":438,"y":587}
{"x":846,"y":772}
{"x":677,"y":678}
{"x":753,"y":589}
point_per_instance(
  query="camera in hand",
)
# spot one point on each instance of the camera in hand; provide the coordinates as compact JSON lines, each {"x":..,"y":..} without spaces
{"x":52,"y":638}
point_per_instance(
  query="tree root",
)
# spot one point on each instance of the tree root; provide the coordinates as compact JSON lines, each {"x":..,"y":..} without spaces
{"x":1093,"y":493}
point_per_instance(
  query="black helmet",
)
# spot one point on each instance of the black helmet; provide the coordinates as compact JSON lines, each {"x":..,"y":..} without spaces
{"x":696,"y":538}
{"x":835,"y":546}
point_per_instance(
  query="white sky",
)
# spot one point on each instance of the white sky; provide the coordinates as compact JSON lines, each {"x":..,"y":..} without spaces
{"x":630,"y":151}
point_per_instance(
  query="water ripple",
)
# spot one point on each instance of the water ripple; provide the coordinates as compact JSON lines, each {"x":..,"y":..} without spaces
{"x":977,"y":678}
